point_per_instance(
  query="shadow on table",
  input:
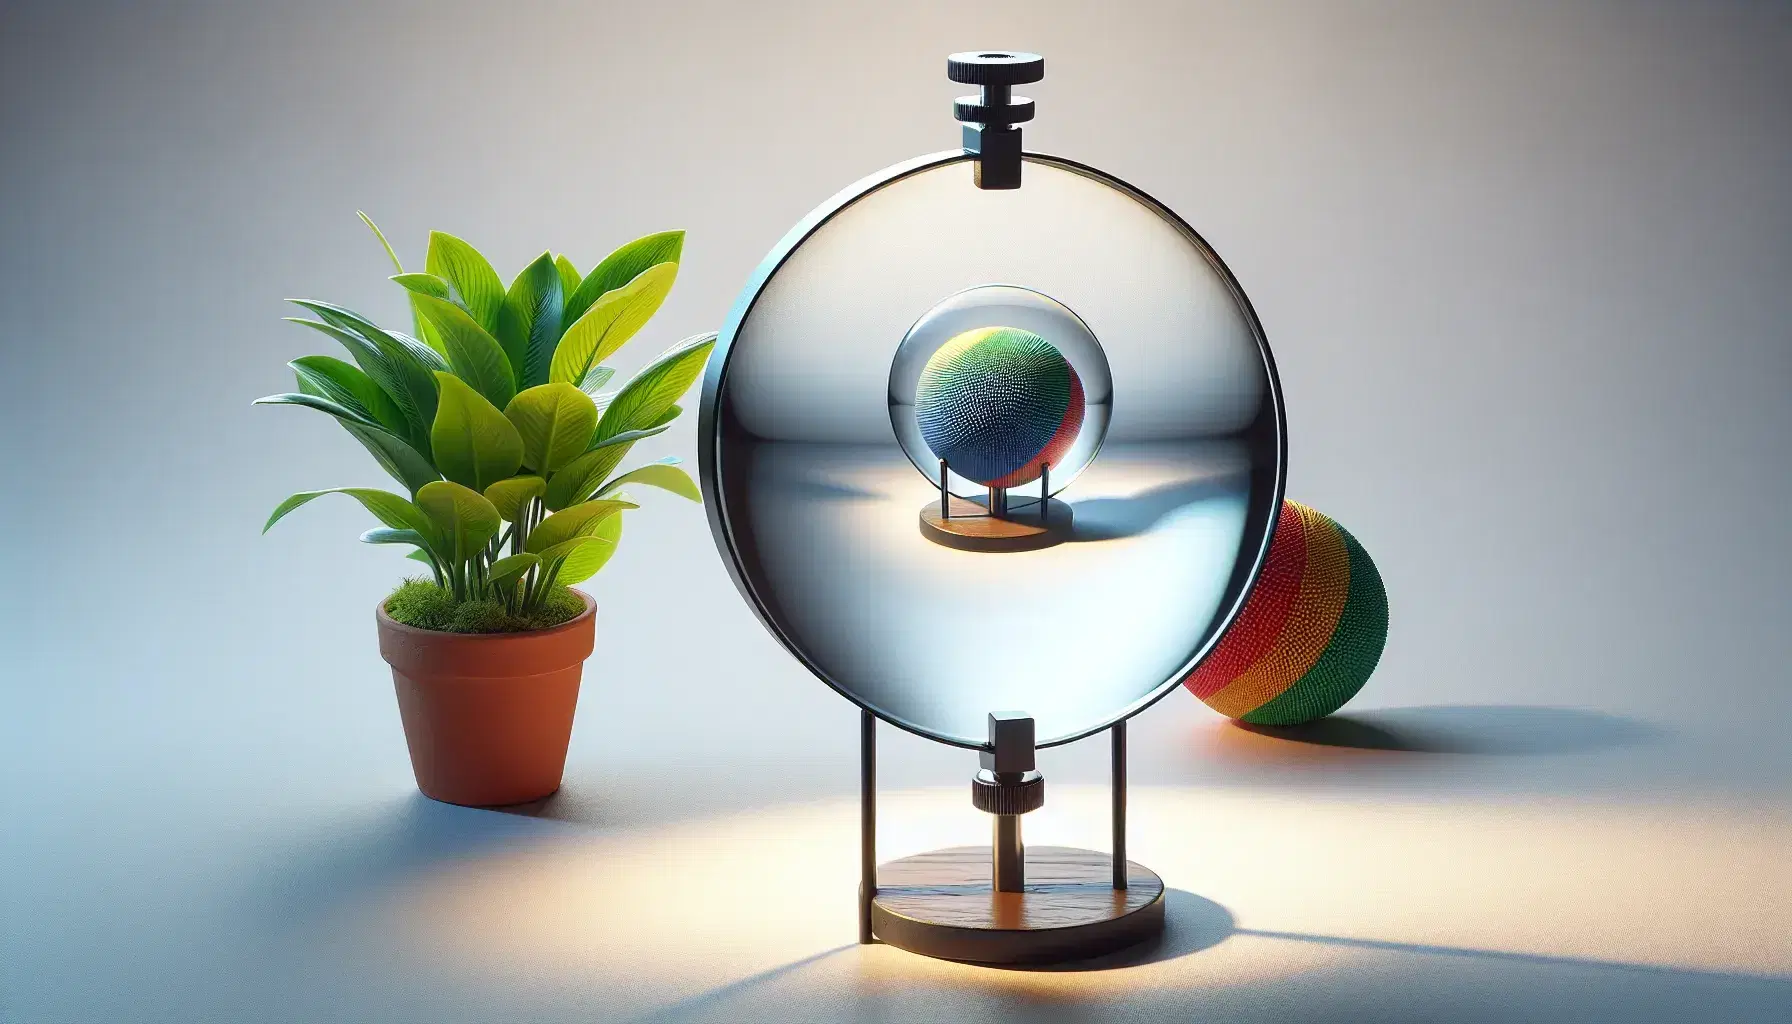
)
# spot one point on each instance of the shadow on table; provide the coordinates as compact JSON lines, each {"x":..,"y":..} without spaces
{"x":1099,"y":519}
{"x":1401,"y":982}
{"x":1490,"y":730}
{"x":387,"y":845}
{"x":411,"y":835}
{"x":623,"y":799}
{"x":1191,"y":923}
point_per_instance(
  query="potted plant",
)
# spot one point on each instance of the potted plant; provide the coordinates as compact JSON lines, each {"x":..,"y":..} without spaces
{"x":493,"y":416}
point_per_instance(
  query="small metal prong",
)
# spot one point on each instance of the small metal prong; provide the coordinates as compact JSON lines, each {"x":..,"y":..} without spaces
{"x":1117,"y":789}
{"x":867,"y":822}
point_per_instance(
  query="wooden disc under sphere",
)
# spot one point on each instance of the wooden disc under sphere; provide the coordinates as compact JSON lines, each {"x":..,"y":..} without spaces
{"x":972,"y":528}
{"x":942,"y":904}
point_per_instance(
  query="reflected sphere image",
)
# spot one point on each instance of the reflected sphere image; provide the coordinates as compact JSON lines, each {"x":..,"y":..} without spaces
{"x":997,"y":320}
{"x":998,"y":403}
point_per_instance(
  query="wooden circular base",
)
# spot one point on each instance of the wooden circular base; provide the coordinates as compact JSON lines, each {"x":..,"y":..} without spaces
{"x":941,"y":904}
{"x":972,"y":528}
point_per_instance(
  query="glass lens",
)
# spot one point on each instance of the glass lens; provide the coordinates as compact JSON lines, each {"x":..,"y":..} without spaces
{"x":817,"y":471}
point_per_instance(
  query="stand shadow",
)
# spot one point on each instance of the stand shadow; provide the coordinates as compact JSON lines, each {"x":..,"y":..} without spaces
{"x":1191,"y":924}
{"x":1099,"y":519}
{"x":1484,"y":730}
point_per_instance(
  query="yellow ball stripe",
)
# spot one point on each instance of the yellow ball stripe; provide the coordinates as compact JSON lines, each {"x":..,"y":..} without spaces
{"x":1324,"y":587}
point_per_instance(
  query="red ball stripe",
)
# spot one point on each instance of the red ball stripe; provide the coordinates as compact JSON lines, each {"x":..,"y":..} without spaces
{"x":1254,"y":632}
{"x":1060,"y":442}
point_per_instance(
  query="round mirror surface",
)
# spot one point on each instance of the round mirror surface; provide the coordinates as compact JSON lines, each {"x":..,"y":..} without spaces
{"x":1108,"y":346}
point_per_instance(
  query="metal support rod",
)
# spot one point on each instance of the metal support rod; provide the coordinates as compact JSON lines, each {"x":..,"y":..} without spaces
{"x":1118,"y":785}
{"x":1009,"y":867}
{"x":945,"y":495}
{"x":867,"y":822}
{"x":998,"y":501}
{"x":1045,"y":489}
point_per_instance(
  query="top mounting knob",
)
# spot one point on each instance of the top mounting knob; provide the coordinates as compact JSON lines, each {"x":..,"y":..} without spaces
{"x":995,"y":67}
{"x":990,"y":119}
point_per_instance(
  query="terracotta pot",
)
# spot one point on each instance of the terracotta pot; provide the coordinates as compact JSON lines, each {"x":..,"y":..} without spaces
{"x":488,"y":716}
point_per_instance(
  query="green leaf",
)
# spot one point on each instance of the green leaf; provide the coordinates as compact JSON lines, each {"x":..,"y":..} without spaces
{"x":401,"y":461}
{"x":621,"y":267}
{"x":387,"y":535}
{"x":555,"y":555}
{"x":625,"y":437}
{"x":463,"y":518}
{"x":387,"y":507}
{"x":381,"y":235}
{"x":472,"y":278}
{"x":430,"y":286}
{"x":579,"y":478}
{"x":555,"y":421}
{"x":511,"y":495}
{"x":393,"y":453}
{"x":665,"y":418}
{"x":474,"y":444}
{"x":576,"y":521}
{"x":583,"y":562}
{"x":506,"y":571}
{"x":611,"y":320}
{"x":423,"y":556}
{"x":473,"y":354}
{"x":569,"y":279}
{"x":664,"y":474}
{"x":643,"y":400}
{"x":393,"y":365}
{"x":596,"y":378}
{"x":424,"y":284}
{"x":321,"y":404}
{"x":347,"y":386}
{"x":432,"y":358}
{"x":529,"y":324}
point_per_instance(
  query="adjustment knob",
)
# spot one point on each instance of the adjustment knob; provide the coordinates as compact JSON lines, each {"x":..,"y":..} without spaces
{"x":995,"y":67}
{"x":990,"y":119}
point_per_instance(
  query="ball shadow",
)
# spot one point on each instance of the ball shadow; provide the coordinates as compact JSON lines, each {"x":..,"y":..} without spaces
{"x":1484,"y":730}
{"x":1099,"y":519}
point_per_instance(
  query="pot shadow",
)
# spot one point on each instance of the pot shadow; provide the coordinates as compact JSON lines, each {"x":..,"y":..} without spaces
{"x":394,"y":843}
{"x":625,"y":798}
{"x":1098,"y":519}
{"x":1488,"y":730}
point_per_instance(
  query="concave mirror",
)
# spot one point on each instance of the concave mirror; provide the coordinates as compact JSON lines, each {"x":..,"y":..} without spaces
{"x":1173,"y":472}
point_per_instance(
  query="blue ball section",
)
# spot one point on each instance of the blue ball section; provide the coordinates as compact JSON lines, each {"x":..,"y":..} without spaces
{"x":991,"y":399}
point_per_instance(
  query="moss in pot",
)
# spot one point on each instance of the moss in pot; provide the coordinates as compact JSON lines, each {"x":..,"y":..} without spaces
{"x":492,"y":416}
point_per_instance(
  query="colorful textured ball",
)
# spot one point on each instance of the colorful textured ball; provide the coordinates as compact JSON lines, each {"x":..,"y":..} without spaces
{"x":997,"y":403}
{"x":1310,"y":634}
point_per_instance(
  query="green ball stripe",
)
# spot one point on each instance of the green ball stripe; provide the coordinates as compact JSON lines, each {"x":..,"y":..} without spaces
{"x":1349,"y":656}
